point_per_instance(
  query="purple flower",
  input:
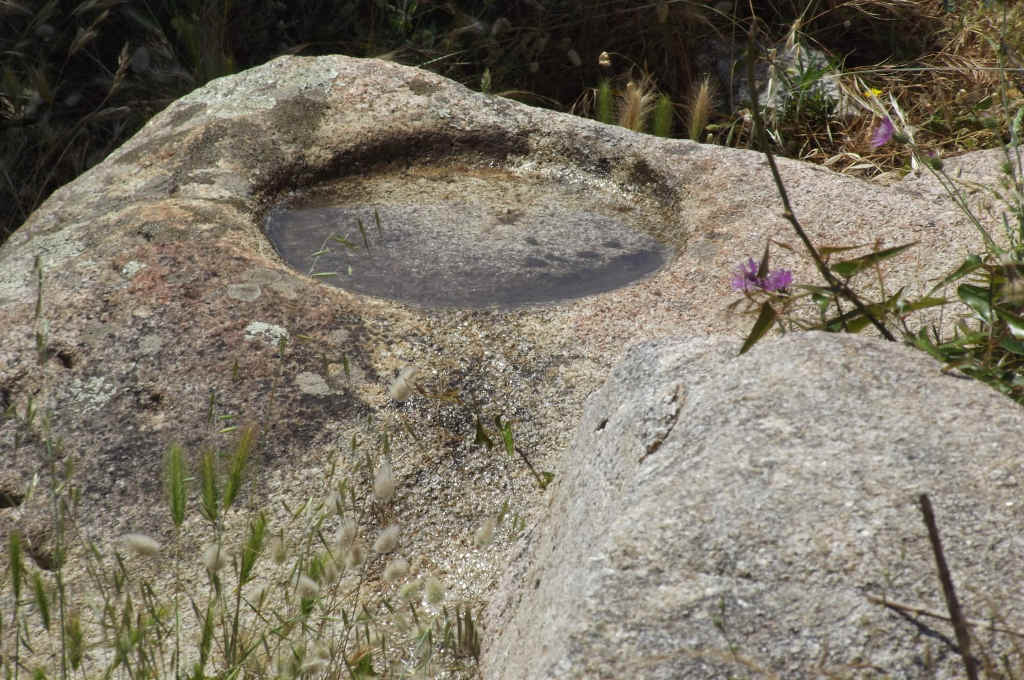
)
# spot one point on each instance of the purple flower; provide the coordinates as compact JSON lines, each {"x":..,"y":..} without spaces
{"x":883,"y":135}
{"x":778,"y":280}
{"x":746,"y":278}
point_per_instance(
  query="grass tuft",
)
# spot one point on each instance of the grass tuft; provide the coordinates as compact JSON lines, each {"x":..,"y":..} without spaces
{"x":636,"y":103}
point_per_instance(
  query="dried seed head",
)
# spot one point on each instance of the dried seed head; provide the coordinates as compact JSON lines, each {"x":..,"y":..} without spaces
{"x":346,"y":534}
{"x":259,"y":595}
{"x":637,"y":103}
{"x":384,"y":482}
{"x":314,"y":665}
{"x":335,"y":502}
{"x":321,"y":650}
{"x":285,"y":664}
{"x":397,"y":569}
{"x":485,"y":533}
{"x":308,"y":588}
{"x":403,"y":385}
{"x":278,"y":551}
{"x":332,"y":570}
{"x":435,"y":590}
{"x":388,"y":539}
{"x":402,"y":623}
{"x":213,"y":558}
{"x":410,"y":591}
{"x":142,"y":544}
{"x":355,"y":556}
{"x":604,"y":60}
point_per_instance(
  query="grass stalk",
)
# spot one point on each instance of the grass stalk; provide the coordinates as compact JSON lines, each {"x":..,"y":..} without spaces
{"x":788,"y":213}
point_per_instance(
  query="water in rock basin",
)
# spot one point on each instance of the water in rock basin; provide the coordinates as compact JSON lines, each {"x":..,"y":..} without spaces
{"x":470,"y":238}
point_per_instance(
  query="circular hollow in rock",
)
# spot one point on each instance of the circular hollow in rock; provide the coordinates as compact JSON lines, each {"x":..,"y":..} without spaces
{"x":466,"y":237}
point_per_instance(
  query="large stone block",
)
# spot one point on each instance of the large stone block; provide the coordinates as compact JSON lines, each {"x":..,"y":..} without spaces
{"x":730,"y":517}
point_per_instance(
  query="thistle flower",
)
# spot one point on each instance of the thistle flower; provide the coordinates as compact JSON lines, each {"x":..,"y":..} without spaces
{"x":142,"y":544}
{"x":883,"y":135}
{"x":746,"y":278}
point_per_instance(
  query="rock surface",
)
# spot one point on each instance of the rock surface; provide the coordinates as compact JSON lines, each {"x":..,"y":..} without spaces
{"x":729,"y":517}
{"x":166,"y":315}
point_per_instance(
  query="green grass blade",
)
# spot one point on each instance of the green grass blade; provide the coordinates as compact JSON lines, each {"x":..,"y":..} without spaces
{"x":243,"y":449}
{"x":42,"y":599}
{"x":174,"y":474}
{"x":605,"y":104}
{"x":376,"y":218}
{"x":362,"y":230}
{"x":208,"y":486}
{"x":253,"y":547}
{"x":764,"y":321}
{"x":506,"y":435}
{"x":664,"y":112}
{"x":969,"y":265}
{"x":850,"y":268}
{"x":16,"y":563}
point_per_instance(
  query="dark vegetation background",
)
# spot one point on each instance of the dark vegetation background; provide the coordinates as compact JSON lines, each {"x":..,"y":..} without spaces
{"x":77,"y":78}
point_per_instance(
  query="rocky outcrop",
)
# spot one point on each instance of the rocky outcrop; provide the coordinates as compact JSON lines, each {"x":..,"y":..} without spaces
{"x":167,"y":316}
{"x":722,"y":516}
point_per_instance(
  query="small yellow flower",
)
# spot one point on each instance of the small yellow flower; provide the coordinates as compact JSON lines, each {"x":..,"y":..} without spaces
{"x":873,"y":92}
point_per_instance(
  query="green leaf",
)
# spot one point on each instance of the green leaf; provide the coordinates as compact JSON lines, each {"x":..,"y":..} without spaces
{"x":922,"y":342}
{"x":854,"y":321}
{"x":764,"y":321}
{"x":1014,"y":322}
{"x":481,"y":436}
{"x":506,"y":435}
{"x":972,"y":263}
{"x":850,"y":268}
{"x":826,"y":251}
{"x":977,"y":298}
{"x":1012,"y":345}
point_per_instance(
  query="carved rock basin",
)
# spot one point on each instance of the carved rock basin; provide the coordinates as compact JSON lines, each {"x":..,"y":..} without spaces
{"x":471,"y":237}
